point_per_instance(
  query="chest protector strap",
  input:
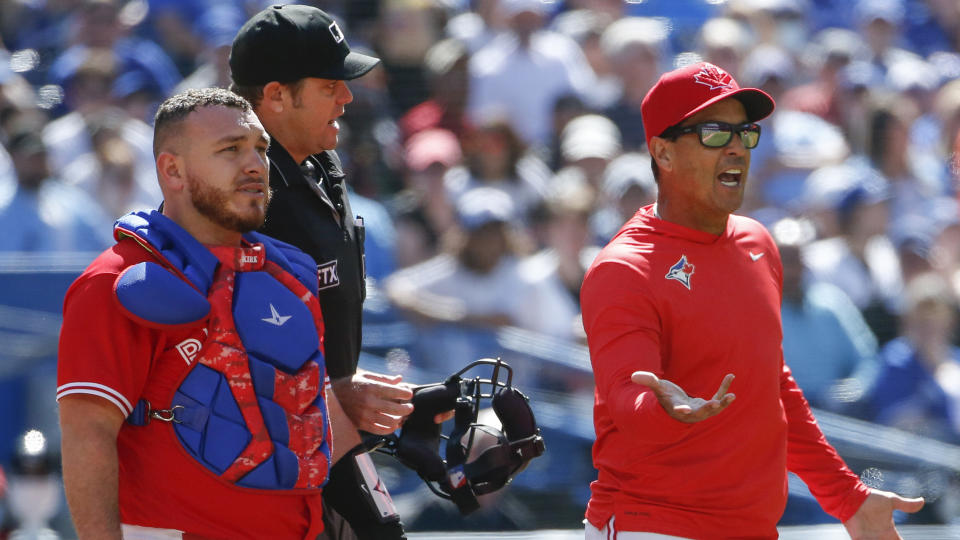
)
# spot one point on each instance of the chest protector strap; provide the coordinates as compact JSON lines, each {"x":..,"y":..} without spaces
{"x":251,"y":407}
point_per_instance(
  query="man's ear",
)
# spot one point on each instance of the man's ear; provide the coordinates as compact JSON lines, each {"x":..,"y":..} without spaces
{"x":273,"y":96}
{"x":663,"y":153}
{"x":171,"y":172}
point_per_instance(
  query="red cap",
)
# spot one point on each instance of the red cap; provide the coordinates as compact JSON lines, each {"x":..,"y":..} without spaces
{"x":683,"y":92}
{"x":430,"y":146}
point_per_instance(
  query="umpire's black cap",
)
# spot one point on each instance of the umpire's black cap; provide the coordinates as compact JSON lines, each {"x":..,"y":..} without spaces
{"x":289,"y":42}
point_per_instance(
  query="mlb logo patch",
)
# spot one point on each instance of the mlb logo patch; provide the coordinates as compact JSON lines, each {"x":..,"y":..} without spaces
{"x":456,"y":477}
{"x":681,"y":271}
{"x":327,"y":275}
{"x":335,"y":32}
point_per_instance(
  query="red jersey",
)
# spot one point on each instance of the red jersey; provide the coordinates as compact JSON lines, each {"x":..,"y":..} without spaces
{"x":691,"y":307}
{"x":106,"y":354}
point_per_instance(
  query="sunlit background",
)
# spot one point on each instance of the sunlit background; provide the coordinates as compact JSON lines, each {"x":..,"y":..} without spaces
{"x":498,"y":146}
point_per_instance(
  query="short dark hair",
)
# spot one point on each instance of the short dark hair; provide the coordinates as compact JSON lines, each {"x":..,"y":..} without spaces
{"x":174,"y":110}
{"x":254,"y":93}
{"x":251,"y":93}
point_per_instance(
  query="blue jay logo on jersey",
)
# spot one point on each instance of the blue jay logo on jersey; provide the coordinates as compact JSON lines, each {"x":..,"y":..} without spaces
{"x":681,"y":271}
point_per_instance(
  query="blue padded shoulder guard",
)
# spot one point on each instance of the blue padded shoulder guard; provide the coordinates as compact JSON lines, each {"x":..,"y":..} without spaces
{"x":152,"y":293}
{"x":164,"y":237}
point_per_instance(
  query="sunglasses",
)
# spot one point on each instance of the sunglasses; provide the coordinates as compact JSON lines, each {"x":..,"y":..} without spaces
{"x":718,"y":134}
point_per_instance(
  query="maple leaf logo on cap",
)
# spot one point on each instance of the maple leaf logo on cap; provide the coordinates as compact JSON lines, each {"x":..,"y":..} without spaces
{"x":713,"y":77}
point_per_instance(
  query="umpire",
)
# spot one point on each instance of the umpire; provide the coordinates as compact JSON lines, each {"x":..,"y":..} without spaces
{"x":291,"y":62}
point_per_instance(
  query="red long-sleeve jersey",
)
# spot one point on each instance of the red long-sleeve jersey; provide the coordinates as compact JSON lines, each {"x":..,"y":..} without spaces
{"x":691,"y":307}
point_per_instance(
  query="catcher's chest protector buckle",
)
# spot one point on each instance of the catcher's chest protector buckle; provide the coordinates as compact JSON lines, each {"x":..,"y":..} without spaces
{"x":479,"y":458}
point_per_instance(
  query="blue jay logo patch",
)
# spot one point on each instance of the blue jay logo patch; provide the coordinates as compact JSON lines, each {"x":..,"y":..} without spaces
{"x":681,"y":271}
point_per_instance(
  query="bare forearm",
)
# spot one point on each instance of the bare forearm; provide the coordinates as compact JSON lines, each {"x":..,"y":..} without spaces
{"x":90,"y":475}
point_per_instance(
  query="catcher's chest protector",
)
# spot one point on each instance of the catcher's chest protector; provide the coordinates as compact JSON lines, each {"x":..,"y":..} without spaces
{"x":251,"y":407}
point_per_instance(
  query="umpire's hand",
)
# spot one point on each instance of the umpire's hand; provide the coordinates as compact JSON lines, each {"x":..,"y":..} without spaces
{"x":678,"y":404}
{"x":376,"y":403}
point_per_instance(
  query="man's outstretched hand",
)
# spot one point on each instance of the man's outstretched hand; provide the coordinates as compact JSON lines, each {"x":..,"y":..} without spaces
{"x":678,"y":404}
{"x":874,"y":519}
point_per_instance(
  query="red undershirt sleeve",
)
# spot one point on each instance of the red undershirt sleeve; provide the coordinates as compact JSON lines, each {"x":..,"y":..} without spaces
{"x":838,"y":490}
{"x":623,"y":333}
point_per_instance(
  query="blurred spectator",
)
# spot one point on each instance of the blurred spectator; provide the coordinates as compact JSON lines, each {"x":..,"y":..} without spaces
{"x":826,"y":343}
{"x":459,"y":297}
{"x":770,"y":69}
{"x":917,"y":82}
{"x":477,"y":27}
{"x":862,"y":260}
{"x":913,"y":237}
{"x":446,"y":70}
{"x":171,"y":24}
{"x":635,"y":47}
{"x":776,"y":22}
{"x":370,"y":141}
{"x":406,"y":30}
{"x":685,"y":18}
{"x":558,"y":268}
{"x":825,"y":57}
{"x":106,"y":155}
{"x":590,"y":142}
{"x":725,"y":42}
{"x":628,"y":185}
{"x":894,"y":157}
{"x":39,"y":29}
{"x":35,"y":491}
{"x":792,"y":146}
{"x":215,"y":29}
{"x":494,"y":156}
{"x":521,"y":73}
{"x":99,"y":147}
{"x":423,"y":209}
{"x":565,"y":109}
{"x":613,"y":9}
{"x":18,"y":101}
{"x":880,"y":22}
{"x":918,"y":387}
{"x":823,"y":191}
{"x":946,"y":109}
{"x":933,"y":25}
{"x":380,"y":238}
{"x":861,"y":85}
{"x":43,"y":213}
{"x":586,"y":27}
{"x":144,"y":72}
{"x":87,"y":85}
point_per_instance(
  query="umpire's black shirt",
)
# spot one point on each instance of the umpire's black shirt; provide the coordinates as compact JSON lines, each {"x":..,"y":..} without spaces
{"x":314,"y":215}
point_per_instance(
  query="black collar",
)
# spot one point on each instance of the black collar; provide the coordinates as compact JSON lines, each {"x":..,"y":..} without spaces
{"x":283,"y":163}
{"x":329,"y":173}
{"x":327,"y":164}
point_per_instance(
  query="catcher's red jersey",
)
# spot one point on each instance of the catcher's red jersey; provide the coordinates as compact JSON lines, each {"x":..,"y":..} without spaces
{"x":691,"y":307}
{"x":106,"y":354}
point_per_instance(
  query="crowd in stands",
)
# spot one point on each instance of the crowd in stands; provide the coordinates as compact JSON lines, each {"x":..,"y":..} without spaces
{"x":500,"y":144}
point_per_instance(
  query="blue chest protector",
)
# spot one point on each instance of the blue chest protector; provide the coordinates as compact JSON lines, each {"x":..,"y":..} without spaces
{"x":264,"y":317}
